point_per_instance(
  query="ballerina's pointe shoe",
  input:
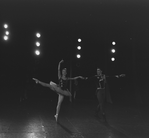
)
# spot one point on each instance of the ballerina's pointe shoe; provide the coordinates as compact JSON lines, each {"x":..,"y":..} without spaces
{"x":56,"y":117}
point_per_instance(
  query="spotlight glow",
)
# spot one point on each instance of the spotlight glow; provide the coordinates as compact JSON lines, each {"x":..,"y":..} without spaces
{"x":79,"y":40}
{"x":5,"y":26}
{"x":113,"y":50}
{"x":5,"y":37}
{"x":113,"y":43}
{"x":112,"y":59}
{"x":37,"y":44}
{"x":38,"y":35}
{"x":78,"y":56}
{"x":79,"y":47}
{"x":37,"y":52}
{"x":7,"y":32}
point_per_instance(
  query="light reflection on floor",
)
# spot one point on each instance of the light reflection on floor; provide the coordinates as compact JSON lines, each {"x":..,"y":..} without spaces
{"x":34,"y":135}
{"x":34,"y":129}
{"x":76,"y":122}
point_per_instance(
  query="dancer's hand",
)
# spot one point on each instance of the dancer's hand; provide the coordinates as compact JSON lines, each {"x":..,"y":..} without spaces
{"x":61,"y":61}
{"x":117,"y":76}
{"x":85,"y":78}
{"x":36,"y":80}
{"x":122,"y":75}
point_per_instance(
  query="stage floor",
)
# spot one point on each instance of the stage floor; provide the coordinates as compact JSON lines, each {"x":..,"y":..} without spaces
{"x":76,"y":120}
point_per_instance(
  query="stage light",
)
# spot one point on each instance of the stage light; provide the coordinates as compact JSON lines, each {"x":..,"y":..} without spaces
{"x":78,"y":56}
{"x":112,"y":59}
{"x":7,"y":32}
{"x":5,"y":26}
{"x":38,"y":35}
{"x":37,"y":44}
{"x":113,"y":50}
{"x":113,"y":43}
{"x":37,"y":52}
{"x":5,"y":37}
{"x":79,"y":47}
{"x":79,"y":40}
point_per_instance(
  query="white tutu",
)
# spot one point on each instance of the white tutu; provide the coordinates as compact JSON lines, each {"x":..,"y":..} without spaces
{"x":54,"y":86}
{"x":58,"y":89}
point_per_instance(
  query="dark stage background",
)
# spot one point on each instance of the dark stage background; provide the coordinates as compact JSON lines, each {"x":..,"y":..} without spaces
{"x":61,"y":23}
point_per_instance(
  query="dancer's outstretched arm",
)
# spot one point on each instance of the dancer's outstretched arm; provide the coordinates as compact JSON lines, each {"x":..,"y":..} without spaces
{"x":42,"y":83}
{"x":118,"y":76}
{"x":76,"y":78}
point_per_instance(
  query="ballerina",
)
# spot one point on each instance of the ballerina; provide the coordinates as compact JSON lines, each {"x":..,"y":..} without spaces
{"x":61,"y":88}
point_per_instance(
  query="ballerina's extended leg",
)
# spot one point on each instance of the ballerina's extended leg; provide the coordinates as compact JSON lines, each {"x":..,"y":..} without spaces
{"x":58,"y":89}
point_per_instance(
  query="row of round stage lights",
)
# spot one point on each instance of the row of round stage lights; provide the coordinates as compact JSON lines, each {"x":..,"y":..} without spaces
{"x":6,"y":32}
{"x":37,"y":44}
{"x":113,"y":51}
{"x":78,"y":52}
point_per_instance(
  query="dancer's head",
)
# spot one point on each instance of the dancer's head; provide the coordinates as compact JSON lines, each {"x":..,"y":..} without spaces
{"x":99,"y":71}
{"x":64,"y":72}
